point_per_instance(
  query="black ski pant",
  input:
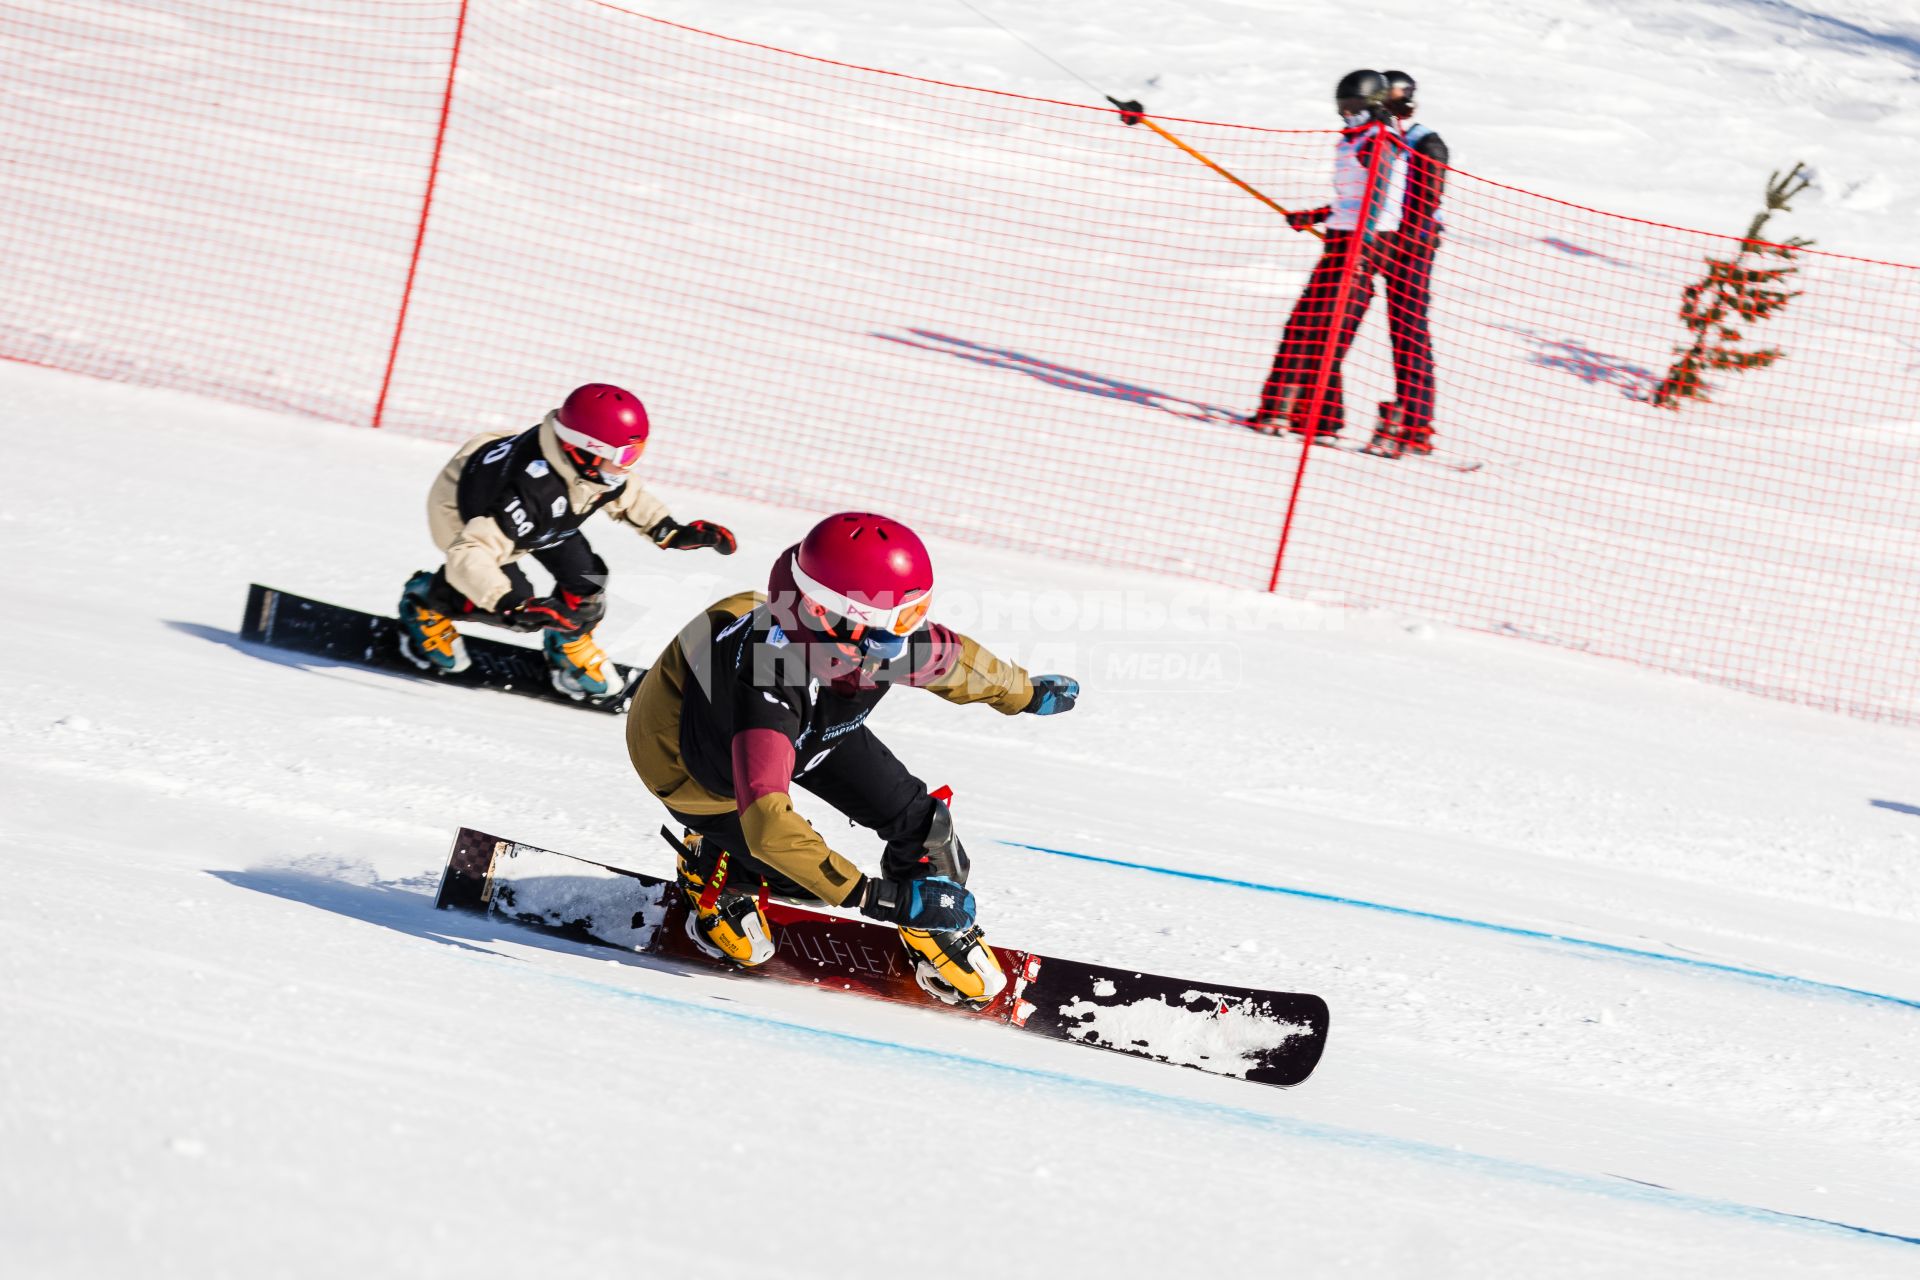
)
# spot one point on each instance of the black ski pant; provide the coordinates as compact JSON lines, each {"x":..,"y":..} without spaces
{"x":1408,"y":280}
{"x":863,"y":780}
{"x":576,"y":568}
{"x":1312,"y":327}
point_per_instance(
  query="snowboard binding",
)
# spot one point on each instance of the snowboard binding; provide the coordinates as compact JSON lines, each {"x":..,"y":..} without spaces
{"x":955,"y":968}
{"x":725,"y":923}
{"x":427,"y":637}
{"x":578,"y":666}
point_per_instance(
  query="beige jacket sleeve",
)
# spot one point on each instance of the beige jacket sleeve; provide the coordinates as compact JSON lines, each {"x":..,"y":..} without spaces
{"x":638,"y":507}
{"x":475,"y":549}
{"x":787,"y":842}
{"x":474,"y":561}
{"x":969,"y":672}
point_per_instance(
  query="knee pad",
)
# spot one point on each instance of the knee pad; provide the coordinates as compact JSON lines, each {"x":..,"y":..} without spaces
{"x":938,"y":853}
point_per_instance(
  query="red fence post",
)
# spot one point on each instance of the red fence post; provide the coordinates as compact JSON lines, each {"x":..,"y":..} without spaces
{"x":1359,"y":243}
{"x":426,"y":207}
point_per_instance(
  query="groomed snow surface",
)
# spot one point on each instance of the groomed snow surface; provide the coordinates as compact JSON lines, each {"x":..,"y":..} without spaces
{"x":1622,"y":967}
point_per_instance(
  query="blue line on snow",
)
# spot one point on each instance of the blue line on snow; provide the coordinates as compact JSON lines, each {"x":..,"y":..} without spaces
{"x":1356,"y":1139}
{"x":1784,"y":979}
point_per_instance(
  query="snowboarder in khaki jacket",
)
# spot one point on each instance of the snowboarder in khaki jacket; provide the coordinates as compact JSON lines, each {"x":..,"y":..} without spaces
{"x":505,"y":496}
{"x":762,"y":693}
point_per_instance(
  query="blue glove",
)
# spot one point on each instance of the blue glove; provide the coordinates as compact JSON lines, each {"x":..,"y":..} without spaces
{"x":1052,"y":695}
{"x":932,"y":902}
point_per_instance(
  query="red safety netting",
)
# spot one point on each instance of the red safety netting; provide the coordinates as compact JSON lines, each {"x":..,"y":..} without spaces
{"x":216,"y":197}
{"x":1006,"y":319}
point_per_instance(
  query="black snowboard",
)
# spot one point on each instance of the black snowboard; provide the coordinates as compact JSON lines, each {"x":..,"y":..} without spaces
{"x":368,"y":640}
{"x":1265,"y":1037}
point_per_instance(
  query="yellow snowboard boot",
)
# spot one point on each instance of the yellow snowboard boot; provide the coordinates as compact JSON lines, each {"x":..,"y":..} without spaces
{"x":955,"y":968}
{"x":725,"y":923}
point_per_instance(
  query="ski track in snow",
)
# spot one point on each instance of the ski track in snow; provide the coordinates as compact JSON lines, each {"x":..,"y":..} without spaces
{"x":1537,"y":935}
{"x":1607,"y":1185}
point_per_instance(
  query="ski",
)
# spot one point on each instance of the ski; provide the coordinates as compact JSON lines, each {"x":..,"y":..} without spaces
{"x":286,"y":621}
{"x":1445,"y":461}
{"x":1458,"y":465}
{"x":1265,"y":1037}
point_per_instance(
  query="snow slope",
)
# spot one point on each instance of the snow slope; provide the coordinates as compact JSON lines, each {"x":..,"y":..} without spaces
{"x":240,"y":1041}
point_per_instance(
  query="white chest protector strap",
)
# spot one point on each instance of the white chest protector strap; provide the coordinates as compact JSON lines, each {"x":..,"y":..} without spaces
{"x":1350,"y":161}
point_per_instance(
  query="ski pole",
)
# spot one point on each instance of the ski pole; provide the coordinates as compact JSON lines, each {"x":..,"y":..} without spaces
{"x":1132,"y":113}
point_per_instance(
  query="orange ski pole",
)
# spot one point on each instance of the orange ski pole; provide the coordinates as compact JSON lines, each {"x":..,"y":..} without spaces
{"x":1133,"y":113}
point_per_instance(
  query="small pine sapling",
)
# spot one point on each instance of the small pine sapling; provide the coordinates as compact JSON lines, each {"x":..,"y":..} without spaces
{"x":1731,"y":296}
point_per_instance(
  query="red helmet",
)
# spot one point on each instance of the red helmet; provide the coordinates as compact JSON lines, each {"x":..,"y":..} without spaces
{"x":858,"y":577}
{"x":601,"y":426}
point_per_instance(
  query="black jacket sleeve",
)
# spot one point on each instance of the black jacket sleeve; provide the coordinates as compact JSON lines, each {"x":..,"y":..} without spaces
{"x":1426,"y":180}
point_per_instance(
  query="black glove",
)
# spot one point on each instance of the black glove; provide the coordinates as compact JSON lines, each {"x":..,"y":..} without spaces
{"x":931,"y":902}
{"x":671,"y":534}
{"x":1052,"y":695}
{"x":1130,"y":112}
{"x":1301,"y":219}
{"x":561,"y":611}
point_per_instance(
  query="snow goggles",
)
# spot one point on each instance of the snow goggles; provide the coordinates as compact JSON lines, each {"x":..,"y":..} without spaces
{"x":620,"y":457}
{"x":880,"y":632}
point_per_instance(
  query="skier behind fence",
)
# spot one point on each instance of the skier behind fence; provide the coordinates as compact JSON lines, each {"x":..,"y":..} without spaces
{"x":760,"y":693}
{"x":1395,"y":236}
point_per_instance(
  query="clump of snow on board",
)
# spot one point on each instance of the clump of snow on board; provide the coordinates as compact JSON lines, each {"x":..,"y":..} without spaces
{"x":1204,"y":1029}
{"x":553,"y":889}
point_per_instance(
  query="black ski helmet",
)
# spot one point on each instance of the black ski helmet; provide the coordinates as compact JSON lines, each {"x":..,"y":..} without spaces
{"x":1400,"y":90}
{"x":1365,"y":84}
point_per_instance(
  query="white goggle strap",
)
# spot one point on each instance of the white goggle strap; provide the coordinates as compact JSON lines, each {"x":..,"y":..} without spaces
{"x":618,"y":454}
{"x":852,"y":610}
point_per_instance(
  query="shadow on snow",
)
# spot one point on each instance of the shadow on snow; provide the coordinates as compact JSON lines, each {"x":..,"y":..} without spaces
{"x":313,"y":663}
{"x":1063,"y":376}
{"x":406,"y":906}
